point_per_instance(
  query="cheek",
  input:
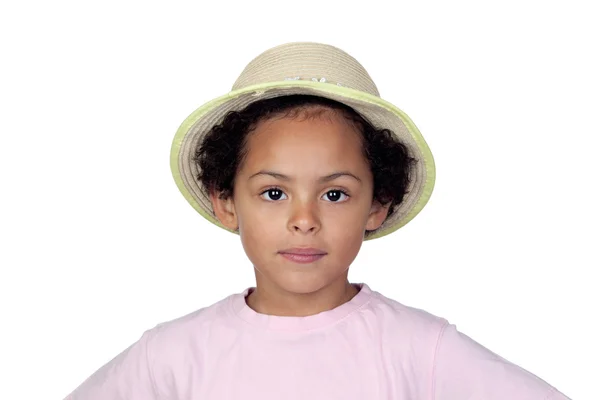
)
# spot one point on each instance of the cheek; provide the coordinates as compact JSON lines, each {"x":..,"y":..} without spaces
{"x":349,"y":227}
{"x":258,"y":233}
{"x":256,"y":220}
{"x":346,"y":230}
{"x":346,"y":221}
{"x":348,"y":236}
{"x":254,"y":243}
{"x":261,"y":222}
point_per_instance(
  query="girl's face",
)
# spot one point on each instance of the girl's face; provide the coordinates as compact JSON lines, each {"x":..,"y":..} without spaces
{"x":304,"y":186}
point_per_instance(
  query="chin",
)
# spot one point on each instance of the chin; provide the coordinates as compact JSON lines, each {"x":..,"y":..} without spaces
{"x":303,"y":284}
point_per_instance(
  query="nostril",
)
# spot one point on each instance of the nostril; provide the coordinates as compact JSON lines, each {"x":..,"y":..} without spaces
{"x":297,"y":228}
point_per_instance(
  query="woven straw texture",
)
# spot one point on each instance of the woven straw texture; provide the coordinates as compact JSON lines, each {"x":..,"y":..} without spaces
{"x":305,"y":68}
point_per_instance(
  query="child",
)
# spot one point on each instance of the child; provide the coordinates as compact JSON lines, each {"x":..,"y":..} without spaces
{"x":305,"y":161}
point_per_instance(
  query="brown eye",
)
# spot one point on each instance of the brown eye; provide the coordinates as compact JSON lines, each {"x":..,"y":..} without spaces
{"x":272,"y":194}
{"x":334,"y":196}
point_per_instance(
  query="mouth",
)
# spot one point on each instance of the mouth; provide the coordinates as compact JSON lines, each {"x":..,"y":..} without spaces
{"x":303,"y":255}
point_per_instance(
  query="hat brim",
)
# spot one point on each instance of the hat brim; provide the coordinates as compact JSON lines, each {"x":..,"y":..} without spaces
{"x":379,"y":112}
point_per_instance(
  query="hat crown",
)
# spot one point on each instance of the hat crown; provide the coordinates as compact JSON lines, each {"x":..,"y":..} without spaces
{"x":307,"y":61}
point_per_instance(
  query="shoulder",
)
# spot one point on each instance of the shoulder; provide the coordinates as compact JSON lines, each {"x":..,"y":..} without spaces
{"x":406,"y":328}
{"x":173,"y":338}
{"x":411,"y":318}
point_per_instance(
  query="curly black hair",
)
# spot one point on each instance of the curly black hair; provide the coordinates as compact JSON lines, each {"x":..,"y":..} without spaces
{"x":224,"y":148}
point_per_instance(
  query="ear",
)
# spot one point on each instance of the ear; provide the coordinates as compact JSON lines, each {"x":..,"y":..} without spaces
{"x":377,"y":215}
{"x":224,"y":210}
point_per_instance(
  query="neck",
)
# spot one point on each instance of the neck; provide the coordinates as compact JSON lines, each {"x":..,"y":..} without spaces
{"x":271,"y":300}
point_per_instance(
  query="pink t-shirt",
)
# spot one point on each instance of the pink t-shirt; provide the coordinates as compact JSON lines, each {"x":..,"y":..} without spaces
{"x":371,"y":347}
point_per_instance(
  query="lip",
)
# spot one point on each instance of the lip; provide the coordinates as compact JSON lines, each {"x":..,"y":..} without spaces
{"x":303,"y":255}
{"x":304,"y":251}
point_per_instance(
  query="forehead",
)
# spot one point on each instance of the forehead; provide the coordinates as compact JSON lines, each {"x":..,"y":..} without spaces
{"x":322,"y":140}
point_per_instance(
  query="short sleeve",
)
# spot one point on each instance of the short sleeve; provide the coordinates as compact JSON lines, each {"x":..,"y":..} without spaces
{"x":125,"y":377}
{"x":464,"y":369}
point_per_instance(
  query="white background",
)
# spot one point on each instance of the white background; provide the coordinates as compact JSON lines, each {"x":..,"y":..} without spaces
{"x":98,"y":245}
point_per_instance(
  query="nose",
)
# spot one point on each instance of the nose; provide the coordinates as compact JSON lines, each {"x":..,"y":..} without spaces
{"x":304,"y":218}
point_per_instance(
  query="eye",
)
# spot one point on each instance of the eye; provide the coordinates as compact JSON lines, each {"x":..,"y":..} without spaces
{"x":334,"y":196}
{"x":272,"y":194}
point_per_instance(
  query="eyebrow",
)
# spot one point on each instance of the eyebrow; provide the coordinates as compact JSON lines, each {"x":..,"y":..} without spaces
{"x":327,"y":178}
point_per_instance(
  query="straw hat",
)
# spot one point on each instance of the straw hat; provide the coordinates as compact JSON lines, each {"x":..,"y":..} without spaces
{"x":314,"y":69}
